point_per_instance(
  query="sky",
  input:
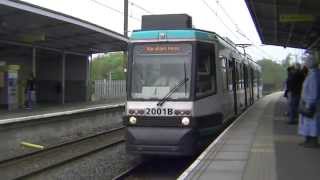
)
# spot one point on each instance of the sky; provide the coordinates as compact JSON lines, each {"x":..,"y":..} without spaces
{"x":228,"y":18}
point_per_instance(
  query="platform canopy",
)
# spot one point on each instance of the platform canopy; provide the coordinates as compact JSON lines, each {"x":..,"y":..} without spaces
{"x":26,"y":24}
{"x":288,"y":23}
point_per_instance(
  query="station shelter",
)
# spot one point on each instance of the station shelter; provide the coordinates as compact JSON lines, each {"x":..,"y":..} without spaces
{"x":52,"y":47}
{"x":287,"y":23}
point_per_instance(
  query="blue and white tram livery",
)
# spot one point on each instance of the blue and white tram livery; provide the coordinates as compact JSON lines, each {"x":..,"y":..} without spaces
{"x":182,"y":84}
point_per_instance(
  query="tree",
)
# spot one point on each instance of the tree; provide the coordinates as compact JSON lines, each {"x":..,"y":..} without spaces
{"x":287,"y":61}
{"x":273,"y":75}
{"x":111,"y":63}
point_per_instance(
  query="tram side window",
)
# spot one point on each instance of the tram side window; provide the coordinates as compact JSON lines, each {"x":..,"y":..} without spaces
{"x":239,"y":75}
{"x":237,"y":78}
{"x":242,"y":76}
{"x":260,"y":79}
{"x":206,"y":82}
{"x":224,"y":71}
{"x":245,"y":76}
{"x":254,"y":78}
{"x":257,"y":78}
{"x":231,"y":78}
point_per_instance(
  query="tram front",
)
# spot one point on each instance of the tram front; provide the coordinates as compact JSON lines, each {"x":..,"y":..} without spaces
{"x":159,"y":106}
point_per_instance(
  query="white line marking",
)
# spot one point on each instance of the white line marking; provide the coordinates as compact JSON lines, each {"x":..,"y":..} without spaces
{"x":61,"y":113}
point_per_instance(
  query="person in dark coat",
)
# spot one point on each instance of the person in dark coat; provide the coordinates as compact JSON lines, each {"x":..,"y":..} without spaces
{"x":290,"y":71}
{"x":30,"y":91}
{"x":294,"y":87}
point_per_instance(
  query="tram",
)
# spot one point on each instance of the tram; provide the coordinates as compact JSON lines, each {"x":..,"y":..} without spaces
{"x":182,"y":84}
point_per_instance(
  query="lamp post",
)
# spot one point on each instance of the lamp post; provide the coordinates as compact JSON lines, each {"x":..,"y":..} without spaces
{"x":125,"y":20}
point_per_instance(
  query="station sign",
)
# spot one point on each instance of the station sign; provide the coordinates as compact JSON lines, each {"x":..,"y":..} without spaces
{"x":30,"y":38}
{"x":288,"y":18}
{"x":2,"y":78}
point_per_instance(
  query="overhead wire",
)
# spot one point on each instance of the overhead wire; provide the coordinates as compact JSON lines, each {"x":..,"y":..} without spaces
{"x":227,"y":14}
{"x":257,"y":47}
{"x":234,"y":33}
{"x":140,"y":7}
{"x":219,"y":18}
{"x":239,"y":31}
{"x":114,"y":9}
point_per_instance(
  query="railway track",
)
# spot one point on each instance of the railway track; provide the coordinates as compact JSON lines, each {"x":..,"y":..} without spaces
{"x":157,"y":168}
{"x":163,"y":167}
{"x":128,"y":172}
{"x":40,"y":161}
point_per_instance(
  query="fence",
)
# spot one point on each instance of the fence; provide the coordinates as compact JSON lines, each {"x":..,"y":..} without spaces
{"x":107,"y":89}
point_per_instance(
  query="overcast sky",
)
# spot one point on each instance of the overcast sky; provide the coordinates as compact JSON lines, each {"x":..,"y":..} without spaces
{"x":229,"y":18}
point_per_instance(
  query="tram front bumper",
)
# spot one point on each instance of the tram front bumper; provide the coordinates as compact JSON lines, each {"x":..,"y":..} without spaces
{"x":160,"y":140}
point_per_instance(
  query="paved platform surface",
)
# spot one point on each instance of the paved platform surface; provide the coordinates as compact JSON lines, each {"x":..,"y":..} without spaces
{"x":41,"y":109}
{"x":258,"y":146}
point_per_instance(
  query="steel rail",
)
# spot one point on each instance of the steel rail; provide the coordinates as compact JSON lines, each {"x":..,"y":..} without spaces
{"x":42,"y":158}
{"x":128,"y":172}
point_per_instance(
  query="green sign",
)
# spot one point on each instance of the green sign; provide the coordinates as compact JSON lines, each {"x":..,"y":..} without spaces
{"x":288,"y":18}
{"x":30,"y":38}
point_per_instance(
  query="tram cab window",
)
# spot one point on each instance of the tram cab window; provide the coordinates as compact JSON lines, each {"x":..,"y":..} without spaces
{"x":158,"y":68}
{"x":205,"y":73}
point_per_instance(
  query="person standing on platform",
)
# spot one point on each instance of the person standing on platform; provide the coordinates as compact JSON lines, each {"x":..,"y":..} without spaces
{"x":309,"y":125}
{"x":289,"y":74}
{"x":287,"y":84}
{"x":30,"y":91}
{"x":294,"y":87}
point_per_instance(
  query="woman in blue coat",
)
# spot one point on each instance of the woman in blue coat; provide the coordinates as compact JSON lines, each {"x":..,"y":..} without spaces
{"x":309,"y":125}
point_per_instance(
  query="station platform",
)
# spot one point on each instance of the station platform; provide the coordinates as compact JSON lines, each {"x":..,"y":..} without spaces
{"x":51,"y":125}
{"x":259,"y":145}
{"x":41,"y":110}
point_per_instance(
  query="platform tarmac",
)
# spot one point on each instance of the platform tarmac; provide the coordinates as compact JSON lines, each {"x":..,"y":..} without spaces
{"x":44,"y":108}
{"x":259,"y":145}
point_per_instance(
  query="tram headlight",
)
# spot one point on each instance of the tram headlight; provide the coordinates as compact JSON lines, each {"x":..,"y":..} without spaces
{"x":185,"y":121}
{"x":133,"y":120}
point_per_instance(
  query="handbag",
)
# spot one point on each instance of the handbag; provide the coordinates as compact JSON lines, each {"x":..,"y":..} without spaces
{"x":307,"y":111}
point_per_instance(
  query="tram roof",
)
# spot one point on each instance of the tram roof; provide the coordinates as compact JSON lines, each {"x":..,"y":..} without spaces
{"x":26,"y":24}
{"x":184,"y":35}
{"x":179,"y":35}
{"x":288,"y":23}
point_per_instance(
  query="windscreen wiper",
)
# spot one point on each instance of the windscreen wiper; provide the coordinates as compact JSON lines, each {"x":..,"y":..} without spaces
{"x":165,"y":98}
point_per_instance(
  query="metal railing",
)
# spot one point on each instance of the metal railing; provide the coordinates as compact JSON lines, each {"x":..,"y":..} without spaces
{"x":106,"y":89}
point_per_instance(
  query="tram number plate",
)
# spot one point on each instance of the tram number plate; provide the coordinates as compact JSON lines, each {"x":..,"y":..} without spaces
{"x":159,"y":111}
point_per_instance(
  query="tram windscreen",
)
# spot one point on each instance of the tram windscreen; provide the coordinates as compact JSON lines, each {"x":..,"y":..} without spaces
{"x":159,"y":68}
